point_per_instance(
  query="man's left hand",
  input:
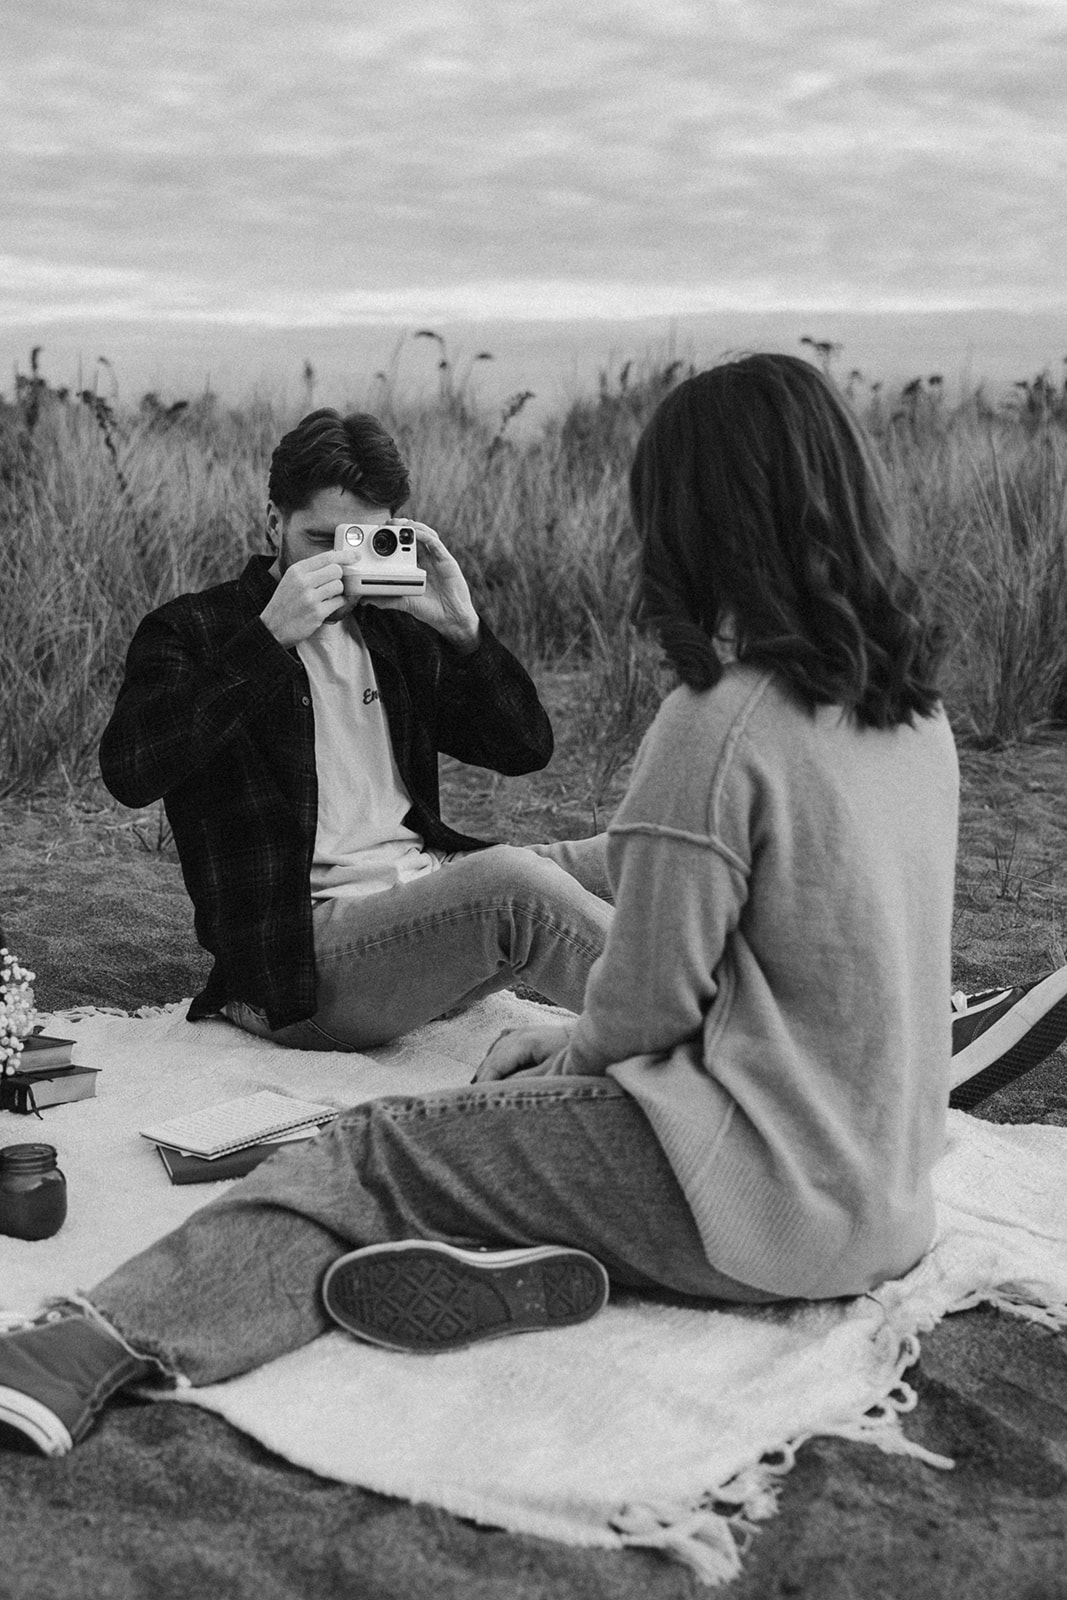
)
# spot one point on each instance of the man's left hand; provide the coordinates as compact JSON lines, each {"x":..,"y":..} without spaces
{"x":445,"y":603}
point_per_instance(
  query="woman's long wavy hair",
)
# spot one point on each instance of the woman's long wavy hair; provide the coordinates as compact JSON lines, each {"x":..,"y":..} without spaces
{"x":764,"y":519}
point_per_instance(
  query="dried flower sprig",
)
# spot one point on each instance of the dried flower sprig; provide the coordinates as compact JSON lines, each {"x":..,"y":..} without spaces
{"x":17,"y":1010}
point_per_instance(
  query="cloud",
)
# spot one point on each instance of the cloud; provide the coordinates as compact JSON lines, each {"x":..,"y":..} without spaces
{"x":243,"y":156}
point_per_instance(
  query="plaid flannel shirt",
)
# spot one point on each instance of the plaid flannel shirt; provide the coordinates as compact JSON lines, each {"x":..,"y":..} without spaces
{"x":214,"y":717}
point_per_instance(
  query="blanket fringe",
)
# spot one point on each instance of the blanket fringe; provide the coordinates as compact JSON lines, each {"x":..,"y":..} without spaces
{"x":79,"y":1013}
{"x":701,"y":1540}
{"x":12,"y":1321}
{"x":711,"y":1538}
{"x":1019,"y":1300}
{"x":880,"y":1423}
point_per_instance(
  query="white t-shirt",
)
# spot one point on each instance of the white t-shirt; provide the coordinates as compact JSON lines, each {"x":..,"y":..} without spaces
{"x":362,"y":846}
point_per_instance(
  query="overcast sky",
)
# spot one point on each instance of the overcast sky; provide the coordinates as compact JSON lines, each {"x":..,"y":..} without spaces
{"x":267,"y":162}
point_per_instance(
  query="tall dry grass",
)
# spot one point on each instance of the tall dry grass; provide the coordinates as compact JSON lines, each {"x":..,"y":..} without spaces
{"x":103,"y":516}
{"x":985,"y":501}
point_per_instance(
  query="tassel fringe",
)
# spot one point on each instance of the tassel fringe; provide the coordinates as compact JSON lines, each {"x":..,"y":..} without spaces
{"x":880,"y":1423}
{"x":79,"y":1013}
{"x":712,"y":1537}
{"x":1019,"y":1300}
{"x":701,"y":1540}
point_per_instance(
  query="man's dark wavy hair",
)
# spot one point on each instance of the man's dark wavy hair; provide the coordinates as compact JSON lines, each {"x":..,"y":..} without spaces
{"x":328,"y":451}
{"x":761,"y":504}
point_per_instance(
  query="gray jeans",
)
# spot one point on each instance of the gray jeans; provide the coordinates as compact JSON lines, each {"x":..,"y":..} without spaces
{"x":388,"y":963}
{"x":532,"y":1161}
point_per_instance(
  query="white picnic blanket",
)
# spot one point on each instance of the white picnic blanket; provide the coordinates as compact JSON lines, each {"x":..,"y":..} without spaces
{"x":620,"y":1431}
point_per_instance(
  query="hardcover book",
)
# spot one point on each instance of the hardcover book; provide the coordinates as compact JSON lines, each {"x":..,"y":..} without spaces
{"x":41,"y":1052}
{"x":24,"y":1093}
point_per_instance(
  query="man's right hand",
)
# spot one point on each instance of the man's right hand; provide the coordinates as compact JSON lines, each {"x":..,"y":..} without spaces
{"x":308,"y":594}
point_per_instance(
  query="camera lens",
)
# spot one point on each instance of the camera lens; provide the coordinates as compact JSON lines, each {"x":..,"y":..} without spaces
{"x":384,"y":542}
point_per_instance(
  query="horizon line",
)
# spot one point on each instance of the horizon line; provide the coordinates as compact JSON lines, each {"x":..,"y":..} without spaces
{"x":542,"y":303}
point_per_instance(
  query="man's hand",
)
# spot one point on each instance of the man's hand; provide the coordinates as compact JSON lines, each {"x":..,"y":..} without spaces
{"x":518,"y":1048}
{"x":446,"y":602}
{"x":308,"y":594}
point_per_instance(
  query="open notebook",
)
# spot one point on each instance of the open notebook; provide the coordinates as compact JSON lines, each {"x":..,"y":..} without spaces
{"x":231,"y":1124}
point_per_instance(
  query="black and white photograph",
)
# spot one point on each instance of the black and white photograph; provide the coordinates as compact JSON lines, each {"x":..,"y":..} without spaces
{"x":533,"y":847}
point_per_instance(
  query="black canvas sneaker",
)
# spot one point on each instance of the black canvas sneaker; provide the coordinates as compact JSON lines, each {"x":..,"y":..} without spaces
{"x":56,"y":1374}
{"x":421,"y":1295}
{"x":1000,"y":1034}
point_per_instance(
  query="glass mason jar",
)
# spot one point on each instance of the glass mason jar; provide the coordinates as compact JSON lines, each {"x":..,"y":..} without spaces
{"x":33,"y":1191}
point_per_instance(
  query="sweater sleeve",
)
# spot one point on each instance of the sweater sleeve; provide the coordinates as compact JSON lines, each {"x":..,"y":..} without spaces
{"x":677,"y":897}
{"x":680,"y":887}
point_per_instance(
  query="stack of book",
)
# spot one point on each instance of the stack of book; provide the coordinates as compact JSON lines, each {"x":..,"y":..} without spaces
{"x":45,"y":1075}
{"x":229,"y":1139}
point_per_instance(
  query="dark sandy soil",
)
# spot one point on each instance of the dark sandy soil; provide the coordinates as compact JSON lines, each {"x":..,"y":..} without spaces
{"x":168,"y":1501}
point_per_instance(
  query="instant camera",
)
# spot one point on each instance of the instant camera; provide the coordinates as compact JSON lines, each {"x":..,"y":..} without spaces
{"x":381,"y":555}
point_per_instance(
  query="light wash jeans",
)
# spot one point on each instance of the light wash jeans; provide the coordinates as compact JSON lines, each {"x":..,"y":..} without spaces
{"x":525,"y":1161}
{"x":485,"y":920}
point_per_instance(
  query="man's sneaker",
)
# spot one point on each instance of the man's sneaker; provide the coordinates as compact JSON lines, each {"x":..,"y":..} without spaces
{"x":421,"y":1295}
{"x":56,"y":1373}
{"x":1000,"y":1034}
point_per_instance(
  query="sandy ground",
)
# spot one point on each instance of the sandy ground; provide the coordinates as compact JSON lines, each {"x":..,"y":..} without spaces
{"x":170,"y":1502}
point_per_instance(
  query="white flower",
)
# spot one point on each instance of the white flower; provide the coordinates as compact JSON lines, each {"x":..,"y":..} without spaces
{"x":17,"y":1011}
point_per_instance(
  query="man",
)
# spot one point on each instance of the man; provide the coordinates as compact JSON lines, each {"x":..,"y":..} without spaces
{"x":293,"y":735}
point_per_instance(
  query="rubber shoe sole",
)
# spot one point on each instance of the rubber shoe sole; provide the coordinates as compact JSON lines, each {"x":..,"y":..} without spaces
{"x":420,"y":1295}
{"x":36,"y":1423}
{"x":1026,"y":1033}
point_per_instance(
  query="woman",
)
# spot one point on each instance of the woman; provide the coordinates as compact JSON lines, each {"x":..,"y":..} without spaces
{"x":751,"y":1102}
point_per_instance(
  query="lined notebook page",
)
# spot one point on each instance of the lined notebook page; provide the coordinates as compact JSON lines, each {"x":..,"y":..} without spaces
{"x":231,"y":1124}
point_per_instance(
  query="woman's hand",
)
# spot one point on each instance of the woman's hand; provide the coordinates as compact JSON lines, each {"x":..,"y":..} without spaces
{"x":445,"y":603}
{"x":518,"y":1048}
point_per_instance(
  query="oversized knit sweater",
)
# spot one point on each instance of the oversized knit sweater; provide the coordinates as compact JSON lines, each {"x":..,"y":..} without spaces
{"x":774,"y":991}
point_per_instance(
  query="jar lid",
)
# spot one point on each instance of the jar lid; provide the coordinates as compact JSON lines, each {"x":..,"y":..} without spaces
{"x":27,"y":1157}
